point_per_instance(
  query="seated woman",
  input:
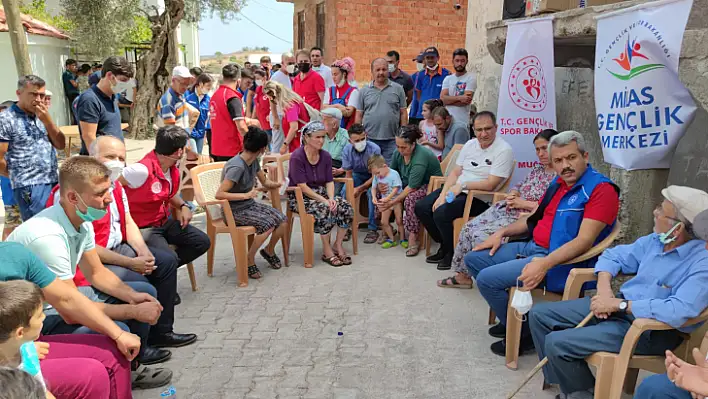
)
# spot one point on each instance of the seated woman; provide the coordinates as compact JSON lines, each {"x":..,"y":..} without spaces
{"x":523,"y":197}
{"x":416,"y":164}
{"x":238,"y":186}
{"x":311,"y":170}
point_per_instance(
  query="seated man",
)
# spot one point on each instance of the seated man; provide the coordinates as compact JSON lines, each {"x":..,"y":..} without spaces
{"x":577,"y":211}
{"x":484,"y":163}
{"x":152,"y":186}
{"x":671,"y":268}
{"x":355,"y":158}
{"x":121,"y":247}
{"x":62,"y":237}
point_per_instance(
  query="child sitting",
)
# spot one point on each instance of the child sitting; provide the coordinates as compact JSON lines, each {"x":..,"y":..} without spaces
{"x":386,"y":185}
{"x":430,"y":138}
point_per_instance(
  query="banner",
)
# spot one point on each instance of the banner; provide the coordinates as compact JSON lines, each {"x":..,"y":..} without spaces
{"x":642,"y":107}
{"x":527,"y":95}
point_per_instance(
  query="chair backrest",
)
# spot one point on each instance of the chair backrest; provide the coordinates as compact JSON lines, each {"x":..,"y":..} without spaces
{"x":448,"y":164}
{"x":206,"y":180}
{"x":283,"y":167}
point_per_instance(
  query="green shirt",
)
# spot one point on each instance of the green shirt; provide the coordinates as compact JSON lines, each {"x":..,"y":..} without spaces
{"x":335,"y":147}
{"x":418,"y":171}
{"x":19,"y":263}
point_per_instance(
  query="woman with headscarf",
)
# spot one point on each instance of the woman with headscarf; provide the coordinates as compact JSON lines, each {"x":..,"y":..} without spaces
{"x":342,"y":95}
{"x":291,"y":108}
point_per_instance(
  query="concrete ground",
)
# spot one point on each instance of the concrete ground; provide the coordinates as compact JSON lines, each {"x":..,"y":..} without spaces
{"x":401,"y":335}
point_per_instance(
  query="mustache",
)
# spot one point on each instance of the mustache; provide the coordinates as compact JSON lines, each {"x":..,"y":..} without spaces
{"x":571,"y":170}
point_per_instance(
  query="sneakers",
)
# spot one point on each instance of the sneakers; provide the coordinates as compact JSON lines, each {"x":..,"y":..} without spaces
{"x":436,"y":257}
{"x":498,"y":331}
{"x":526,"y":346}
{"x":389,"y":244}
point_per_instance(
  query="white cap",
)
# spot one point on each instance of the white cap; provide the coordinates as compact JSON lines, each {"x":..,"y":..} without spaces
{"x":688,"y":201}
{"x":47,"y":93}
{"x":333,"y":112}
{"x":700,"y":225}
{"x":181,"y":72}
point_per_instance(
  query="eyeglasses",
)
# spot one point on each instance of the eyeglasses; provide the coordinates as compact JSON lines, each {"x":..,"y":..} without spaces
{"x":484,"y":129}
{"x":659,"y":211}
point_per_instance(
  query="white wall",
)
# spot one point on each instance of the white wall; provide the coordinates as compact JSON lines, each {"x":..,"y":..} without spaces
{"x":189,"y":37}
{"x":47,"y":56}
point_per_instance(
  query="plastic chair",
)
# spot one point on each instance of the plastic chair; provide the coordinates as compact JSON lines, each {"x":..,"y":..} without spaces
{"x":220,"y":219}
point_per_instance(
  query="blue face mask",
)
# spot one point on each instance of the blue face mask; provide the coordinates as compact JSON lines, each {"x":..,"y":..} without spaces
{"x":667,"y":238}
{"x":92,"y":214}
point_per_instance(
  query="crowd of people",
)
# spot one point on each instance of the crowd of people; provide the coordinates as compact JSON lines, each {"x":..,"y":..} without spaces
{"x":90,"y":274}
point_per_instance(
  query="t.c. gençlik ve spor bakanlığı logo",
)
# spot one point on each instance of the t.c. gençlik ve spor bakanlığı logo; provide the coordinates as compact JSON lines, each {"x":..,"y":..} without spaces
{"x":527,"y":84}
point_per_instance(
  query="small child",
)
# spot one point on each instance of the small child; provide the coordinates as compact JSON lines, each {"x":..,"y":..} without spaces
{"x":386,"y":185}
{"x":430,"y":135}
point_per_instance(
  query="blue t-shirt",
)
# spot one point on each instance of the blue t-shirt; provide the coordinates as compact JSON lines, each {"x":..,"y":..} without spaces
{"x":69,"y":89}
{"x":429,"y":86}
{"x":357,"y":161}
{"x":19,"y":263}
{"x":388,"y":183}
{"x":94,"y":106}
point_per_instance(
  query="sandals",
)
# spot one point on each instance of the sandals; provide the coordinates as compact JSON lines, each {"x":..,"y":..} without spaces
{"x":254,"y":273}
{"x":412,"y":250}
{"x":333,"y":261}
{"x":272,"y":260}
{"x":346,"y":259}
{"x":404,"y":244}
{"x":389,"y":244}
{"x":148,"y":378}
{"x":451,"y":282}
{"x":371,"y":237}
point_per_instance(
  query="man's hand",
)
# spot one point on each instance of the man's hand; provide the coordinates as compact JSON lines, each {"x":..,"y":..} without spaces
{"x":41,"y":110}
{"x":42,"y":349}
{"x":533,"y":273}
{"x":606,"y":292}
{"x":466,"y":99}
{"x":141,"y":297}
{"x":604,"y":306}
{"x":438,"y":203}
{"x":492,"y":243}
{"x":185,"y":216}
{"x":423,"y":142}
{"x":128,"y":344}
{"x":143,"y":264}
{"x":147,"y":312}
{"x":253,"y":193}
{"x":375,"y":201}
{"x":358,"y":191}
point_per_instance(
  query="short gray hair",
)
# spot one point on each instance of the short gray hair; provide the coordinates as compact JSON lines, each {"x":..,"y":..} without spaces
{"x":93,"y":148}
{"x":564,"y":138}
{"x":32,"y":80}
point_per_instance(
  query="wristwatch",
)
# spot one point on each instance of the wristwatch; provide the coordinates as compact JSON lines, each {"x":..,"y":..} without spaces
{"x":623,"y":306}
{"x":188,"y":205}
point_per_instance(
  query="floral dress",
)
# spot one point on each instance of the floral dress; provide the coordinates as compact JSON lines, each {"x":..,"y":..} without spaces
{"x":498,"y":216}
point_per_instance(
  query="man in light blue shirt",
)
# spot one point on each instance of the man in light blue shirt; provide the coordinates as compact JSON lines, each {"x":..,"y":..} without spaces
{"x":671,"y":286}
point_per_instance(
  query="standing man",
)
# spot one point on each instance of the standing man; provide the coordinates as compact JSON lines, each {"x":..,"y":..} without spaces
{"x":266,"y":66}
{"x":458,"y":89}
{"x":95,"y":74}
{"x":96,"y":109}
{"x":308,"y":83}
{"x":429,"y":83}
{"x":172,"y":108}
{"x":399,"y":76}
{"x":415,"y":102}
{"x":71,"y":87}
{"x":284,"y":75}
{"x":316,"y":54}
{"x":28,"y":139}
{"x":381,"y":108}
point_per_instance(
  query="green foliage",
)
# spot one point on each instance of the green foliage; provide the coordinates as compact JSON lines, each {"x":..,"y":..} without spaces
{"x":195,"y":10}
{"x":37,"y":9}
{"x":141,"y":31}
{"x":246,"y":49}
{"x":233,"y":59}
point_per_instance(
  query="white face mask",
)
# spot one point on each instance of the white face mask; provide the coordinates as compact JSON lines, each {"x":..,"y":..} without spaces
{"x":119,"y":87}
{"x":419,"y":66}
{"x":341,"y":82}
{"x":316,"y":68}
{"x":360,"y":146}
{"x":259,"y":83}
{"x":522,"y":301}
{"x":116,"y":168}
{"x":290,"y":68}
{"x":434,"y":67}
{"x":391,"y":68}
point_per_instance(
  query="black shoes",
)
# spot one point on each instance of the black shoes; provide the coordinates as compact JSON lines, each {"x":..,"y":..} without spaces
{"x":177,"y":300}
{"x":498,"y":331}
{"x":526,"y":346}
{"x":171,"y":340}
{"x":152,"y":355}
{"x":436,"y":257}
{"x":445,"y":263}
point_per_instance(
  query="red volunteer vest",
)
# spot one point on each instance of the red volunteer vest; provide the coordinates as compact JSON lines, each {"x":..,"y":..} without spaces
{"x":101,"y":227}
{"x":262,"y":108}
{"x":226,"y":139}
{"x":339,"y":91}
{"x":149,"y":203}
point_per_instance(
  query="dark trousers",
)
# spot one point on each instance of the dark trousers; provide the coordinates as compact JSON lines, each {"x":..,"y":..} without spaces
{"x":70,"y":100}
{"x":414,"y":121}
{"x":191,"y":242}
{"x":208,"y":139}
{"x":219,"y":158}
{"x":163,"y":278}
{"x":439,"y":224}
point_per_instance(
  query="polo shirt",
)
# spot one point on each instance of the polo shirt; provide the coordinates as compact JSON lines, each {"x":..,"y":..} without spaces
{"x":382,"y":109}
{"x":336,"y":146}
{"x":52,"y":237}
{"x":309,"y":88}
{"x":282,"y":78}
{"x":478,"y":163}
{"x":430,"y":86}
{"x":416,"y":173}
{"x":602,"y":206}
{"x":457,"y":133}
{"x":357,"y":161}
{"x":404,"y":80}
{"x":19,"y":263}
{"x":202,"y":104}
{"x":172,"y":110}
{"x":69,"y":89}
{"x":94,"y":106}
{"x":31,"y":158}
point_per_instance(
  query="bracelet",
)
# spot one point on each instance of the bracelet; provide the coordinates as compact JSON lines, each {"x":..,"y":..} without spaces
{"x":119,"y":335}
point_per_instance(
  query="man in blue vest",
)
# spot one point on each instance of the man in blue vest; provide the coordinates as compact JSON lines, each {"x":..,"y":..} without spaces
{"x":577,"y":211}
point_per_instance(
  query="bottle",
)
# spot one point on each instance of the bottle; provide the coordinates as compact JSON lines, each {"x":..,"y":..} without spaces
{"x":30,"y":361}
{"x":449,"y":197}
{"x":169,"y":393}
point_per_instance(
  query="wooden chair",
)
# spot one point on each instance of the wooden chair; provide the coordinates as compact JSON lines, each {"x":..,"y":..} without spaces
{"x":220,"y":219}
{"x":307,"y":222}
{"x":71,"y":133}
{"x":572,"y":290}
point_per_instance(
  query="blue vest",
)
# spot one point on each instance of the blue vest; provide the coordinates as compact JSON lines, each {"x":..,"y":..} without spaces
{"x":567,"y":220}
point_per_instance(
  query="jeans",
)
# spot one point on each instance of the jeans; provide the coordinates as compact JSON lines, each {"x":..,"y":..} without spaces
{"x":199,"y":143}
{"x":54,"y":324}
{"x":163,"y":278}
{"x":658,"y":386}
{"x":388,"y":147}
{"x":191,"y":242}
{"x":359,"y":179}
{"x":32,"y":199}
{"x":552,"y":327}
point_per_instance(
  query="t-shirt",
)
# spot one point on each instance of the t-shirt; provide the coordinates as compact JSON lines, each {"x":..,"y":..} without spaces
{"x":477,"y":163}
{"x":416,"y":173}
{"x":302,"y":171}
{"x":282,"y":78}
{"x":52,"y":237}
{"x":19,"y":263}
{"x":94,"y":106}
{"x":404,"y":80}
{"x":235,"y":106}
{"x":358,"y":162}
{"x":262,"y":108}
{"x":326,"y":73}
{"x":309,"y":88}
{"x":457,"y":86}
{"x":243,"y":176}
{"x":353,"y":97}
{"x":69,"y":89}
{"x":389,"y":182}
{"x":456,"y":133}
{"x":94,"y":78}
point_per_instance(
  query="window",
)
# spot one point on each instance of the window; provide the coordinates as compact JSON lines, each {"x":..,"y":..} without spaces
{"x":301,"y":29}
{"x":320,"y":25}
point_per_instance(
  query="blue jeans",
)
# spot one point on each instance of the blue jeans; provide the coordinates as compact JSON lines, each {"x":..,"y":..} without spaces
{"x":658,"y":386}
{"x":496,"y":274}
{"x":32,"y":199}
{"x":199,"y":143}
{"x":388,"y":147}
{"x":359,"y":179}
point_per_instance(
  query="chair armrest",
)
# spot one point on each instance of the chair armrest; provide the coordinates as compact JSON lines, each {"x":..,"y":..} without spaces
{"x":576,"y":278}
{"x":274,"y":194}
{"x":300,"y":199}
{"x":435,"y":183}
{"x":599,"y":248}
{"x":496,"y":196}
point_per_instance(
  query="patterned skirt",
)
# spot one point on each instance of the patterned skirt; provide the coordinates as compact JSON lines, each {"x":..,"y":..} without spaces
{"x":261,"y":216}
{"x":410,"y":220}
{"x":325,"y":219}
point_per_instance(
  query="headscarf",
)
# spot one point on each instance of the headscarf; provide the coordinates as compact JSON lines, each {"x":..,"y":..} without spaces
{"x":309,"y":128}
{"x":346,"y":64}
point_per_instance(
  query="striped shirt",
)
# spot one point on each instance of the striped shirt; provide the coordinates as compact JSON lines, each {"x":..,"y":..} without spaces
{"x":172,"y":110}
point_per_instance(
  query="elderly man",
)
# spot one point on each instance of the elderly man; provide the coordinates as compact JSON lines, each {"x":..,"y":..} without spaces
{"x":455,"y":131}
{"x":429,"y":83}
{"x":381,"y":108}
{"x":484,"y":163}
{"x":336,"y":139}
{"x":173,"y":108}
{"x":577,"y":211}
{"x":671,"y":268}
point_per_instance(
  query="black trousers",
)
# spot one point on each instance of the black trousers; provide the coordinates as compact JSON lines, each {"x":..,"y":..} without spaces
{"x":190,"y":242}
{"x":439,"y":224}
{"x":219,"y":158}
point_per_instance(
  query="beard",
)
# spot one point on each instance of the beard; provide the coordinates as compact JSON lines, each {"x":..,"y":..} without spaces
{"x":460,"y":68}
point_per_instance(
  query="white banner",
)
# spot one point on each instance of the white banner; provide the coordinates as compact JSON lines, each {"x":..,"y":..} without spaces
{"x":642,"y":107}
{"x":527,"y":95}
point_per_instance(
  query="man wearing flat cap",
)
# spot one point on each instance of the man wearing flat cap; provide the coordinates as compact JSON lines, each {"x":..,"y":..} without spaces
{"x":671,"y":286}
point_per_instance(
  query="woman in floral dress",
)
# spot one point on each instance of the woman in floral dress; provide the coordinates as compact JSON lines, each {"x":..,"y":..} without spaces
{"x":523,"y":197}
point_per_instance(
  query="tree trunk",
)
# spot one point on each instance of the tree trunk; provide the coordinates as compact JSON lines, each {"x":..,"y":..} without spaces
{"x":18,"y":38}
{"x":154,"y":69}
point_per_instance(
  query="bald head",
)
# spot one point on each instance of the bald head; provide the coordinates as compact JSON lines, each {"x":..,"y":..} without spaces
{"x":108,"y":148}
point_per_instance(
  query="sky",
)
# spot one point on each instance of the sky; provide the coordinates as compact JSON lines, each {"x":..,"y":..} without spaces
{"x":277,"y":18}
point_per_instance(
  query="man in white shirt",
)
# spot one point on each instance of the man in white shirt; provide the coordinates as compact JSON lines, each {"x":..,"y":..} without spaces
{"x":458,"y":89}
{"x":484,"y":164}
{"x":286,"y":72}
{"x":316,"y":54}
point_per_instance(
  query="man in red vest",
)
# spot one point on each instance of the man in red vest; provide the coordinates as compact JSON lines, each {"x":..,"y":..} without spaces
{"x":152,"y":186}
{"x":228,"y":122}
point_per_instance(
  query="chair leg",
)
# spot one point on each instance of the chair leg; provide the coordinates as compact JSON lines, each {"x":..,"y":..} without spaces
{"x":192,"y":276}
{"x":603,"y":378}
{"x":307,"y":224}
{"x":240,"y":244}
{"x":211,"y":232}
{"x":513,"y":336}
{"x":355,"y":238}
{"x":492,"y":317}
{"x":630,"y":381}
{"x":285,"y":243}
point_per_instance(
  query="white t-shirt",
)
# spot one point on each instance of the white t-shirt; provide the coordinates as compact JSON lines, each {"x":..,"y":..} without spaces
{"x":457,"y":86}
{"x":132,"y":83}
{"x":136,"y":175}
{"x":326,"y":73}
{"x":477,"y":163}
{"x":353,"y":97}
{"x":282,"y":78}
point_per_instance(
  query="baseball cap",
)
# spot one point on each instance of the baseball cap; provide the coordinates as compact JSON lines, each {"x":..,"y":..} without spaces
{"x":181,"y":72}
{"x":48,"y":93}
{"x":419,"y":58}
{"x":688,"y":201}
{"x":333,"y":112}
{"x":431,"y":51}
{"x":700,"y":225}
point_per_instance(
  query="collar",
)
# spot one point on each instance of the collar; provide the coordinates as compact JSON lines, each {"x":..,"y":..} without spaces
{"x":391,"y":74}
{"x":687,"y":249}
{"x":175,"y":94}
{"x":436,"y":71}
{"x":15,"y":108}
{"x":388,"y":83}
{"x":100,"y":93}
{"x":63,"y":219}
{"x":307,"y":75}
